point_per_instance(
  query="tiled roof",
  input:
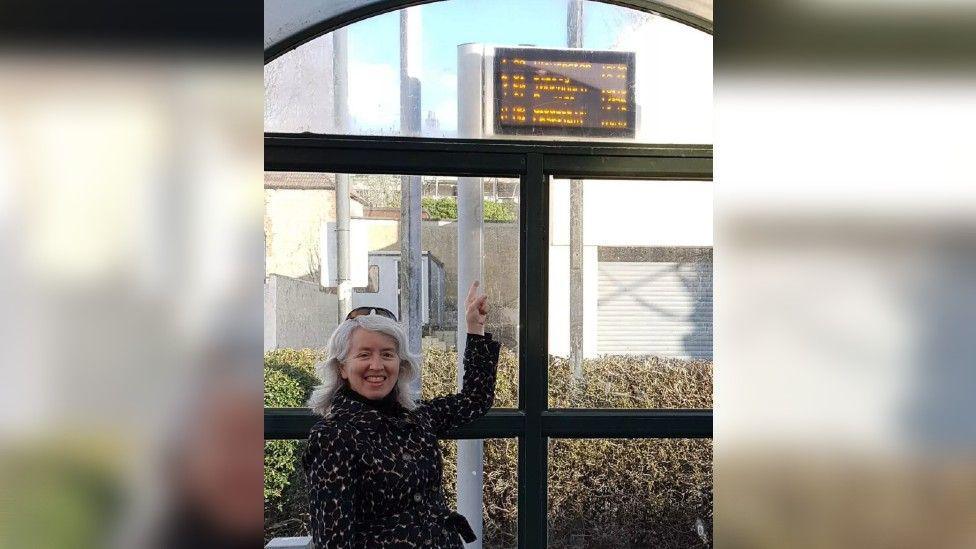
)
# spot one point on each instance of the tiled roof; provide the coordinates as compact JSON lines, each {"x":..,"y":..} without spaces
{"x":309,"y":181}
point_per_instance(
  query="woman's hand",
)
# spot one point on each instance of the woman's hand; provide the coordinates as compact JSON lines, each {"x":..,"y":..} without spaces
{"x":476,"y":310}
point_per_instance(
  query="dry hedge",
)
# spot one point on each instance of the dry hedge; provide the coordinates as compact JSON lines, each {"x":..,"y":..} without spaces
{"x":602,"y":492}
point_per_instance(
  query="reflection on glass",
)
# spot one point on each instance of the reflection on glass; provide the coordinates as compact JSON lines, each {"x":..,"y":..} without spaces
{"x":301,"y":303}
{"x":630,"y":282}
{"x":624,"y":494}
{"x":666,"y":91}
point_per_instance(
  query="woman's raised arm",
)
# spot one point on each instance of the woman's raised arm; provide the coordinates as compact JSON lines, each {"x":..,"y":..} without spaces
{"x":480,"y":367}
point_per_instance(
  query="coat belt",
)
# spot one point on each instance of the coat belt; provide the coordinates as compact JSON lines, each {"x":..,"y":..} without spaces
{"x":459,"y":523}
{"x":447,"y":519}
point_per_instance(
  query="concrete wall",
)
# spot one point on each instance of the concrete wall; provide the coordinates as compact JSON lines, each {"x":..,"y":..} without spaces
{"x":501,"y":274}
{"x":384,"y":234}
{"x":501,"y":245}
{"x":270,"y":315}
{"x":293,"y":220}
{"x":300,"y":315}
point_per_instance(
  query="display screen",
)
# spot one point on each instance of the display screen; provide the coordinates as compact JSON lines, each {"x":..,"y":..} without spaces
{"x":564,"y":92}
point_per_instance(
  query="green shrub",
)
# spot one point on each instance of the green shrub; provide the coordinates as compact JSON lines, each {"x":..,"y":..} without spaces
{"x":500,"y":211}
{"x":289,"y":376}
{"x":439,"y":208}
{"x":446,"y":208}
{"x":602,"y":493}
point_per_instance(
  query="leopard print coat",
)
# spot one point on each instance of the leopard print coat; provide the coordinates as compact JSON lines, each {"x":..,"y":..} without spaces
{"x":375,"y":478}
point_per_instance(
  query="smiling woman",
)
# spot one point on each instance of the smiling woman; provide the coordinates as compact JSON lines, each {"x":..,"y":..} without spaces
{"x":373,"y":464}
{"x":361,"y":348}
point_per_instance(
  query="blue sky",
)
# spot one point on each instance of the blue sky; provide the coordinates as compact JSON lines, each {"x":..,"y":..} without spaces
{"x":374,"y":48}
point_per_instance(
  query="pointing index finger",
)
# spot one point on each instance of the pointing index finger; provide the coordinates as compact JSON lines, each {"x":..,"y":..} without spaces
{"x":472,"y":291}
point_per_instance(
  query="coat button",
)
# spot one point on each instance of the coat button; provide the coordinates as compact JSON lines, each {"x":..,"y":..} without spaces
{"x":407,"y":456}
{"x":416,"y":497}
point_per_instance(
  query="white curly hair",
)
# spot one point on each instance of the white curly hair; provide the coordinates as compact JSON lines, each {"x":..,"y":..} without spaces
{"x":338,"y":348}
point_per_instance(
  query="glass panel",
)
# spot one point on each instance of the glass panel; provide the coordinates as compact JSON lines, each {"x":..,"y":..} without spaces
{"x":286,"y":494}
{"x":636,"y":76}
{"x":630,"y":285}
{"x":301,"y":303}
{"x":630,"y":493}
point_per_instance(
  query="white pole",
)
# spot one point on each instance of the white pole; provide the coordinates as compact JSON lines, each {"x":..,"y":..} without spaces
{"x":340,"y":77}
{"x":574,"y":39}
{"x":411,"y":269}
{"x":470,"y":466}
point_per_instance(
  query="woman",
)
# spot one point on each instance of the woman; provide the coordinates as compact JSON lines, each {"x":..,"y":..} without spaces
{"x":373,"y":465}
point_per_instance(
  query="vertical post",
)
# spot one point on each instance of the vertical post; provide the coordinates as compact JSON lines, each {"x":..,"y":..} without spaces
{"x":574,"y":24}
{"x":410,"y":69}
{"x":340,"y":77}
{"x":470,"y":466}
{"x":576,"y":279}
{"x":534,"y":331}
{"x":574,"y":39}
{"x":411,"y":270}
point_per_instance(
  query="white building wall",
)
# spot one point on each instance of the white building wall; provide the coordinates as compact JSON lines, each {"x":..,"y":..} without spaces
{"x":559,"y":300}
{"x":618,"y":213}
{"x":635,"y":213}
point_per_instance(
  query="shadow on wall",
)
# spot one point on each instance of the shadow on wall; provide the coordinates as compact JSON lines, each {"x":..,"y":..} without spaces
{"x":699,"y":287}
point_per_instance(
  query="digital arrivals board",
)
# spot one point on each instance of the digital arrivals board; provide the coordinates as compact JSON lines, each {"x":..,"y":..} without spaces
{"x":564,"y":92}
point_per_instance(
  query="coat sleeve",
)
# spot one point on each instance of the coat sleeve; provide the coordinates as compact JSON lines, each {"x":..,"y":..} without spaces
{"x":330,"y":471}
{"x":478,"y":388}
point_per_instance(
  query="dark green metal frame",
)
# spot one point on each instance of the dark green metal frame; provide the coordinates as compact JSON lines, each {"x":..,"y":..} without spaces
{"x":533,"y":423}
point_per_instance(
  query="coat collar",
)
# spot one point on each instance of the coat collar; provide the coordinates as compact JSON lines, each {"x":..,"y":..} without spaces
{"x":348,"y":402}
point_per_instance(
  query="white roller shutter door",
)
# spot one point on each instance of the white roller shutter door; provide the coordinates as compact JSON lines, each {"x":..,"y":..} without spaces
{"x":661,"y":308}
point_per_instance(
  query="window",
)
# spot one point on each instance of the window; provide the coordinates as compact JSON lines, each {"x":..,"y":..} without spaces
{"x":458,"y":40}
{"x":630,"y":285}
{"x":286,"y":493}
{"x":630,"y":493}
{"x":666,"y":241}
{"x":300,"y":261}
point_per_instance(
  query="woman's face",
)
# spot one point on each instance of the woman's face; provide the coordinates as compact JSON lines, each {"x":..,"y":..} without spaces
{"x":372,"y":365}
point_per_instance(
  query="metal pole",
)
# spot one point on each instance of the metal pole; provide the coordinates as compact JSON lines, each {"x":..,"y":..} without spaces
{"x":576,"y":278}
{"x":574,"y":24}
{"x":574,"y":39}
{"x":410,"y":269}
{"x":340,"y":99}
{"x":470,"y":466}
